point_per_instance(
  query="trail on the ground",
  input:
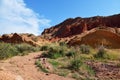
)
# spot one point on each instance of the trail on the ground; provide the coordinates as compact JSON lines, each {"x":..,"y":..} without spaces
{"x":24,"y":68}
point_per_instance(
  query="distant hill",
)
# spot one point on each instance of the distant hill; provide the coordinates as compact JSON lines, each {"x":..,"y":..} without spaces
{"x":94,"y":31}
{"x":22,"y":38}
{"x":78,"y":25}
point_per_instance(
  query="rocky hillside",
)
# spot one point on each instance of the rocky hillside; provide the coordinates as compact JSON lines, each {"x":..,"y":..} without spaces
{"x":96,"y":38}
{"x":93,"y":31}
{"x":78,"y":25}
{"x":22,"y":38}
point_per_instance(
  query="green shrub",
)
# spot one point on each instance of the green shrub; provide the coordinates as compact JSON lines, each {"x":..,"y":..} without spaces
{"x":7,"y":50}
{"x":118,"y":65}
{"x":54,"y":63}
{"x":76,"y":76}
{"x":62,"y":44}
{"x":75,"y":64}
{"x":55,"y":52}
{"x":54,"y":55}
{"x":85,"y":49}
{"x":44,"y":48}
{"x":90,"y":70}
{"x":71,"y":54}
{"x":63,"y":73}
{"x":38,"y":64}
{"x":101,"y":53}
{"x":25,"y":48}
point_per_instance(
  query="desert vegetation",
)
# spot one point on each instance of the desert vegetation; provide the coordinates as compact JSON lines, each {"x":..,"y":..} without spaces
{"x":75,"y":61}
{"x":78,"y":62}
{"x":8,"y":50}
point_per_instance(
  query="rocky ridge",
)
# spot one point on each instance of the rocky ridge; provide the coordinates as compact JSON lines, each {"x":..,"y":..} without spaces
{"x":87,"y":31}
{"x":22,"y":38}
{"x":78,"y":25}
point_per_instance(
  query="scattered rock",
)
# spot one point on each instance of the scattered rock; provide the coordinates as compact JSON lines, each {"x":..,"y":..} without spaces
{"x":105,"y":71}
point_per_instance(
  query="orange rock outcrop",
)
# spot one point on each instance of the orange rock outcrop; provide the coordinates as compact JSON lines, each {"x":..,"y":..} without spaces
{"x":73,"y":26}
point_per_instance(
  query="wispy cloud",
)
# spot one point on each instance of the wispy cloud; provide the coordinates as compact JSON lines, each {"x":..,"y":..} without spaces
{"x":16,"y":17}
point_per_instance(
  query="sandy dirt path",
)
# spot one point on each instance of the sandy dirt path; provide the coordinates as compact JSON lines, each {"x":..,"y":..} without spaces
{"x":23,"y":68}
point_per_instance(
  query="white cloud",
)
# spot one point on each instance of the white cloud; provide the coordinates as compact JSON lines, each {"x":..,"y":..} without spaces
{"x":16,"y":17}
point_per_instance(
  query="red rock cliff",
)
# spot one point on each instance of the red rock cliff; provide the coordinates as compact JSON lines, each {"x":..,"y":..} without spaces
{"x":73,"y":26}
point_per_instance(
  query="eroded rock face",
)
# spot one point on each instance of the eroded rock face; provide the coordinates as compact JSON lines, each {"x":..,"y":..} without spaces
{"x":23,"y":38}
{"x":79,"y":25}
{"x":17,"y":38}
{"x":96,"y":38}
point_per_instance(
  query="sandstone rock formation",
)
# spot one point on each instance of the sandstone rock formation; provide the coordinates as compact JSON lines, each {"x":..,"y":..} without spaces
{"x":22,"y":38}
{"x":73,"y":26}
{"x":96,"y":38}
{"x":93,"y":31}
{"x":17,"y":38}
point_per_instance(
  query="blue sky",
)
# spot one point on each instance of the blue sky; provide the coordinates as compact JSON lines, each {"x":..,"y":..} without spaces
{"x":59,"y":10}
{"x":33,"y":16}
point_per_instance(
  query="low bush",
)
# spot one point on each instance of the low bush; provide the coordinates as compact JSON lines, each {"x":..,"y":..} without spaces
{"x":54,"y":55}
{"x":70,"y":54}
{"x":75,"y":64}
{"x":7,"y":50}
{"x":24,"y":49}
{"x":101,"y":53}
{"x":85,"y":49}
{"x":89,"y":69}
{"x":62,"y":44}
{"x":38,"y":64}
{"x":63,"y":73}
{"x":44,"y":48}
{"x":54,"y":51}
{"x":54,"y":63}
{"x":76,"y":76}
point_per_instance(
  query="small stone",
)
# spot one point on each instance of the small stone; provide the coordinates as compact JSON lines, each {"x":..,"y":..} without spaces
{"x":47,"y":74}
